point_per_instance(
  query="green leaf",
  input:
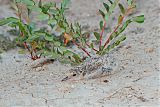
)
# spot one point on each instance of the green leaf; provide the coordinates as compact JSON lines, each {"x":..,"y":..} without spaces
{"x":106,"y":17}
{"x":124,"y":26}
{"x":77,"y":58}
{"x":102,"y":13}
{"x":91,"y":45}
{"x":35,"y":8}
{"x":120,"y":19}
{"x":31,"y":27}
{"x":13,"y":24}
{"x":8,"y":20}
{"x":43,"y":16}
{"x":76,"y":35}
{"x":32,"y":38}
{"x":63,"y":48}
{"x":18,"y":1}
{"x":65,"y":3}
{"x":53,"y":11}
{"x":101,"y":24}
{"x":121,"y":8}
{"x":139,"y":19}
{"x":83,"y":41}
{"x":112,"y":7}
{"x":55,"y":55}
{"x":28,"y":2}
{"x":49,"y":4}
{"x":22,"y":51}
{"x":47,"y":53}
{"x":68,"y":53}
{"x":117,"y":42}
{"x":130,"y":2}
{"x":52,"y":22}
{"x":122,"y":38}
{"x":106,"y":50}
{"x":40,"y":3}
{"x":114,"y":35}
{"x":101,"y":48}
{"x":110,"y":1}
{"x":97,"y":35}
{"x":106,"y":6}
{"x":40,"y":33}
{"x":57,"y":43}
{"x":59,"y":50}
{"x":46,"y":7}
{"x":49,"y":38}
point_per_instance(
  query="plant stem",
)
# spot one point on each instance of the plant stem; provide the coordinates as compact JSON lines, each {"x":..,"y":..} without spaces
{"x":92,"y":48}
{"x":22,"y":34}
{"x":81,"y":48}
{"x":31,"y":53}
{"x":108,"y":40}
{"x":35,"y":51}
{"x":25,"y":45}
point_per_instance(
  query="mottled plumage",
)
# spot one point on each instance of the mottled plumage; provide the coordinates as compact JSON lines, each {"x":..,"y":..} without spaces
{"x":93,"y":68}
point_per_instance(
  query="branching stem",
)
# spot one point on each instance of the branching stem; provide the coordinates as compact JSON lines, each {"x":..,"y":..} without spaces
{"x":92,"y":48}
{"x":81,"y":48}
{"x":119,"y":24}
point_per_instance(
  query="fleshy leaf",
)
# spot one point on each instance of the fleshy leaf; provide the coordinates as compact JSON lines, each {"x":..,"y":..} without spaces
{"x":120,"y":19}
{"x":8,"y":20}
{"x":35,"y":8}
{"x":97,"y":35}
{"x":139,"y":19}
{"x":65,"y":3}
{"x":32,"y":38}
{"x":101,"y":24}
{"x":106,"y":6}
{"x":130,"y":2}
{"x":49,"y":37}
{"x":43,"y":16}
{"x":124,"y":26}
{"x":102,"y":13}
{"x":110,"y":1}
{"x":121,"y":8}
{"x":28,"y":2}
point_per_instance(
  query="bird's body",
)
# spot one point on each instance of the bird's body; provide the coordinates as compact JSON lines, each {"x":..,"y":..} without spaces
{"x":93,"y":68}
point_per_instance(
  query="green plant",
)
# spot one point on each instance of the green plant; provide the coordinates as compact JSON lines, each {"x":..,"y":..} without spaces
{"x":44,"y":42}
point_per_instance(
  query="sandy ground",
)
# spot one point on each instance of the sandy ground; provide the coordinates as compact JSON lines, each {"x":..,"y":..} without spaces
{"x":135,"y":84}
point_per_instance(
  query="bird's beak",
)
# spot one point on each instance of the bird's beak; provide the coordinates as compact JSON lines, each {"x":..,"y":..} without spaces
{"x":64,"y":79}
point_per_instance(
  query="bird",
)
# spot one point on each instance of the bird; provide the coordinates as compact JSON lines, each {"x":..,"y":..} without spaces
{"x":93,"y":68}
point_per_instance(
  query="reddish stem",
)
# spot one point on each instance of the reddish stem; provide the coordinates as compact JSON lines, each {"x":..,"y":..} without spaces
{"x":35,"y":51}
{"x":26,"y":46}
{"x":108,"y":40}
{"x":22,"y":34}
{"x":81,"y":48}
{"x":92,"y":48}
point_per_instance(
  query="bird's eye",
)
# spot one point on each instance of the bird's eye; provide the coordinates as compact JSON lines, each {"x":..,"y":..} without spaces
{"x":74,"y":74}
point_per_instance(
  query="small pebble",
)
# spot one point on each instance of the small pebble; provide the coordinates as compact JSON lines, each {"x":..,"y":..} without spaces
{"x":128,"y":47}
{"x":149,"y":50}
{"x":39,"y":69}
